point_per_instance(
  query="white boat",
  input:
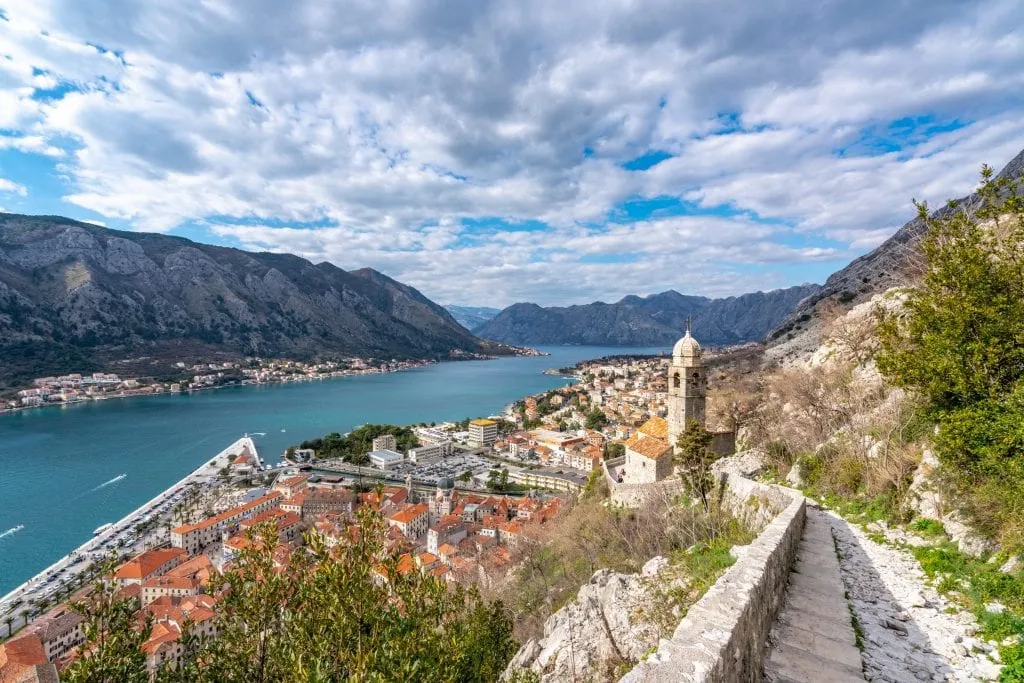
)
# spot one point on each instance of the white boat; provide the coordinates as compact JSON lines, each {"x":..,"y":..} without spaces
{"x":101,"y":529}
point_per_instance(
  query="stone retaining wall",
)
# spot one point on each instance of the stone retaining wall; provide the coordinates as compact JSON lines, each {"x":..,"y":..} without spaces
{"x":721,"y":639}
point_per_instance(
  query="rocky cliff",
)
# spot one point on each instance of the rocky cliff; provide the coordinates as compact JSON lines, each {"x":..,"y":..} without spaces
{"x":74,"y":296}
{"x":894,"y":263}
{"x":654,"y":320}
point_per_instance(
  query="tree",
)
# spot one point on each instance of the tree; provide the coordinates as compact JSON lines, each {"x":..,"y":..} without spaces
{"x":613,"y":450}
{"x":958,"y":338}
{"x":596,"y":419}
{"x":958,"y":342}
{"x":693,"y":459}
{"x":323,"y":614}
{"x":113,"y":636}
{"x":8,"y":621}
{"x":347,"y":613}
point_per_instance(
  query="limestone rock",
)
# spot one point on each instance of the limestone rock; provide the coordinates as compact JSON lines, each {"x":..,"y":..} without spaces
{"x":964,"y":536}
{"x":653,"y":566}
{"x":603,"y":627}
{"x":922,"y":494}
{"x":1012,"y":565}
{"x":744,"y":464}
{"x":795,"y":478}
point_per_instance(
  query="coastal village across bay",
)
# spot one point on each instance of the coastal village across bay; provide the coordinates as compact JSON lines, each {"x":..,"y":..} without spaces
{"x":78,"y":386}
{"x":463,"y":502}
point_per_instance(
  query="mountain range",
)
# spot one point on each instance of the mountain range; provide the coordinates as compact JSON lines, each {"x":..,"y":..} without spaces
{"x":76,"y":296}
{"x":654,"y":320}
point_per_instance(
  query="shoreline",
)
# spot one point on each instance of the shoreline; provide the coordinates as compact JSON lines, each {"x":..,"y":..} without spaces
{"x":149,"y":394}
{"x":207,"y":468}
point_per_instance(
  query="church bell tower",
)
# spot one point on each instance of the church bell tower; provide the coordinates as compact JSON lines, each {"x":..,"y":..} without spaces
{"x":687,"y":386}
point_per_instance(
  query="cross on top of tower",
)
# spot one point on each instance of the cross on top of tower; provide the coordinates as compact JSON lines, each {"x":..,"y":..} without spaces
{"x":689,"y":321}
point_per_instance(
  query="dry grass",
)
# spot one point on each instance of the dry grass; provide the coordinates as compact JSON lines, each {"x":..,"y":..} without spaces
{"x":850,"y":433}
{"x":565,"y":552}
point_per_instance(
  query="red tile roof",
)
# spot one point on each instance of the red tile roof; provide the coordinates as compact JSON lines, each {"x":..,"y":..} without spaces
{"x":143,"y":565}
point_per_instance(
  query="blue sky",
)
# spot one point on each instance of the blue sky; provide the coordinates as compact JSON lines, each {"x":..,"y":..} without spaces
{"x":489,"y":153}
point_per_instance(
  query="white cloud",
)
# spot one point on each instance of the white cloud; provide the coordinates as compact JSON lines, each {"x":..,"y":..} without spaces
{"x":395,"y":121}
{"x":13,"y":187}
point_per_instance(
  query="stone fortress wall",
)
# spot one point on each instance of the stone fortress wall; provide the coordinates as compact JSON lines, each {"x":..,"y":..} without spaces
{"x":721,"y":639}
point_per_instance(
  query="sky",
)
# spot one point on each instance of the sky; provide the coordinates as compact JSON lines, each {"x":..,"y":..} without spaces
{"x":489,"y":152}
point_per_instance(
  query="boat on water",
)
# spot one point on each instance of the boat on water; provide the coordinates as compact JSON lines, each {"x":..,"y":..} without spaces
{"x":101,"y":529}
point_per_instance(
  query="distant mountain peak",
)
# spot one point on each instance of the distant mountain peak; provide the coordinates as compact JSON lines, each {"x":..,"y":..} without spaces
{"x":651,"y":320}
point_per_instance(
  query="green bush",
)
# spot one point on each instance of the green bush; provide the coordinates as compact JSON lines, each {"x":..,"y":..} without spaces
{"x":957,"y":343}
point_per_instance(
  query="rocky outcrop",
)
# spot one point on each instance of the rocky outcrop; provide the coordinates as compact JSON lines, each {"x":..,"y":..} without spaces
{"x":72,"y":294}
{"x":655,"y":320}
{"x":748,"y":464}
{"x":603,"y":629}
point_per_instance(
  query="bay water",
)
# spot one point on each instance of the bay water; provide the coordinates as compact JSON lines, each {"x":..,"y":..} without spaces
{"x":64,"y":471}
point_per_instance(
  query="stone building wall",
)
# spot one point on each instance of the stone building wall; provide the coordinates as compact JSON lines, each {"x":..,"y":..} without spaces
{"x":721,"y":639}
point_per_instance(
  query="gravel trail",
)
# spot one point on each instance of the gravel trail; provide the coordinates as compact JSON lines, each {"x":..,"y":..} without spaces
{"x":907,"y":633}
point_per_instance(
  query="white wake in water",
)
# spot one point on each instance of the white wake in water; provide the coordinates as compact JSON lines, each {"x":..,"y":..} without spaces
{"x":112,"y":481}
{"x":259,"y":433}
{"x":12,"y":530}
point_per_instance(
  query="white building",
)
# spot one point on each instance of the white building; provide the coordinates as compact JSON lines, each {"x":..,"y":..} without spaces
{"x":304,"y":454}
{"x":431,"y":435}
{"x":385,"y":459}
{"x":482,"y":433}
{"x":385,"y":442}
{"x":430,"y":452}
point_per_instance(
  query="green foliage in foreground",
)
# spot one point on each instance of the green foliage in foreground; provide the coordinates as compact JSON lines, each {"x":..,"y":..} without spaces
{"x":705,"y":561}
{"x":327,"y":617}
{"x":113,"y":637}
{"x":959,"y":343}
{"x":354,"y":446}
{"x":974,"y":583}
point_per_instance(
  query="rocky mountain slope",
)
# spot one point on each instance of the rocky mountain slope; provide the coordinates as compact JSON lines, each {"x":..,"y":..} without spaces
{"x":472,"y":317}
{"x":74,"y":295}
{"x":892,"y":264}
{"x":653,"y":320}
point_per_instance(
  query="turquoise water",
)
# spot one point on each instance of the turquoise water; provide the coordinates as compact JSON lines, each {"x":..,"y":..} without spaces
{"x":60,"y":468}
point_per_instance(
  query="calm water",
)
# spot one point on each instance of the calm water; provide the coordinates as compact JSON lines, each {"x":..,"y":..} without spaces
{"x":60,"y":467}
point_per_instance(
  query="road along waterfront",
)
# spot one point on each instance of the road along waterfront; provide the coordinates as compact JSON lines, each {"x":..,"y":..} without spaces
{"x":65,"y":570}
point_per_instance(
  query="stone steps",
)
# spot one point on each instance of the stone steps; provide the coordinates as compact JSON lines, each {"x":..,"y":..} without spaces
{"x":813,"y":639}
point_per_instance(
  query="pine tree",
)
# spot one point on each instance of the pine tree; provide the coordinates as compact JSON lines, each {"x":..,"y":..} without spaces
{"x":693,"y":459}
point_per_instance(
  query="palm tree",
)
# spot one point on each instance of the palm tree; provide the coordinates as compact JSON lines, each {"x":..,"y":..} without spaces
{"x":9,"y":620}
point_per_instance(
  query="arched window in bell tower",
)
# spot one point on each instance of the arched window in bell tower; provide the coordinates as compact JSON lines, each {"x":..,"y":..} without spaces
{"x":676,"y":380}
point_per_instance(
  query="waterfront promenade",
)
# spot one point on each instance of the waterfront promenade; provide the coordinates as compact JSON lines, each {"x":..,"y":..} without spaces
{"x":65,"y":570}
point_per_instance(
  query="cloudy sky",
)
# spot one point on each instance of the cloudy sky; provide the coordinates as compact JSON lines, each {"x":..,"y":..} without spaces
{"x":492,"y":152}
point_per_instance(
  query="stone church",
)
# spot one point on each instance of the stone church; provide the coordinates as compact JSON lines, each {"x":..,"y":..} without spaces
{"x":649,"y":451}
